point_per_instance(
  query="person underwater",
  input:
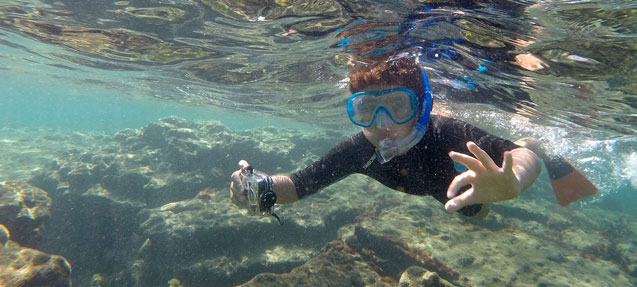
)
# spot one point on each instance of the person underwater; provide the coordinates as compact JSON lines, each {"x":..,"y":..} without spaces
{"x":405,"y":148}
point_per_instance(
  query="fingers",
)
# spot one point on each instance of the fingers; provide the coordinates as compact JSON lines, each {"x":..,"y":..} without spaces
{"x":458,"y":182}
{"x":237,"y":178}
{"x":468,"y":161}
{"x":237,"y":194}
{"x":464,"y":199}
{"x":482,"y":156}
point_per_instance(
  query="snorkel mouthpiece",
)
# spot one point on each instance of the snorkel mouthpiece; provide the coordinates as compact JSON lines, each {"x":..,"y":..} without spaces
{"x":389,"y":148}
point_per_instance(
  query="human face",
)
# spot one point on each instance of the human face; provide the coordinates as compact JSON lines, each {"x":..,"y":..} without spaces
{"x":386,"y":128}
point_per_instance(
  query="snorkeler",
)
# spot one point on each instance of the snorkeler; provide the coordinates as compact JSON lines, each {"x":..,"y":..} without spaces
{"x":407,"y":149}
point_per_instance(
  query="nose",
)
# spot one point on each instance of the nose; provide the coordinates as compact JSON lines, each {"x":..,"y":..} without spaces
{"x":383,"y":121}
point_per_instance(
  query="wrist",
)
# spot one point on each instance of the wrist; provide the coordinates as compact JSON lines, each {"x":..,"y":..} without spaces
{"x":512,"y":189}
{"x":284,"y":188}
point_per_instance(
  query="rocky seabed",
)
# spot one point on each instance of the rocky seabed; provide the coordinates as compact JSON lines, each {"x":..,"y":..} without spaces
{"x":150,"y":207}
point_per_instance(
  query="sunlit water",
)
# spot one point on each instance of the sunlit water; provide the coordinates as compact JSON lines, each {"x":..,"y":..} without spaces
{"x":583,"y":104}
{"x":248,"y":73}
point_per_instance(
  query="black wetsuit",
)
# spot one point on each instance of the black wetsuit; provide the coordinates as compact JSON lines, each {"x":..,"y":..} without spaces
{"x":426,"y":169}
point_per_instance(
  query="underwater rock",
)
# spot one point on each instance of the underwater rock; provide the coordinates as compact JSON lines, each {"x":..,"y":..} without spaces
{"x":335,"y":266}
{"x":416,"y":276}
{"x":390,"y":256}
{"x":21,"y":266}
{"x":4,"y":235}
{"x":184,"y":146}
{"x":118,"y":191}
{"x":208,"y":239}
{"x":92,"y":230}
{"x":128,"y":185}
{"x":24,"y":209}
{"x":196,"y":235}
{"x":181,"y":158}
{"x":172,"y":159}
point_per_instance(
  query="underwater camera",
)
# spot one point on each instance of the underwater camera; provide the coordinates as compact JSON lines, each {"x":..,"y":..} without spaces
{"x":261,"y":196}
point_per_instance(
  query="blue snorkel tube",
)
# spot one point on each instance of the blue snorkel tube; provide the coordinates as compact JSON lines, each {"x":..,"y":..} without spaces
{"x":389,"y":148}
{"x":425,"y":113}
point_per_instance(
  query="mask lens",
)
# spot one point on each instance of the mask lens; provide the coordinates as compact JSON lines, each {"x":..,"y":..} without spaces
{"x":400,"y":104}
{"x":363,"y":110}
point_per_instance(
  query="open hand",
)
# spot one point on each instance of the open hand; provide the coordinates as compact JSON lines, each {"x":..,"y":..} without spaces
{"x":489,"y":183}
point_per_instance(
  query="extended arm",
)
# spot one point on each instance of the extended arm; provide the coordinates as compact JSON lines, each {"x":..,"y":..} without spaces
{"x":340,"y":161}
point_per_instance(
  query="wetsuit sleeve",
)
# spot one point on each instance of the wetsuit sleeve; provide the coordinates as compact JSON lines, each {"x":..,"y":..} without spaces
{"x":341,"y":161}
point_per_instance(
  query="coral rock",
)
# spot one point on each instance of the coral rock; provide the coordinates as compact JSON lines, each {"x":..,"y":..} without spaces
{"x":416,"y":276}
{"x":336,"y":266}
{"x":21,"y":266}
{"x":23,"y":210}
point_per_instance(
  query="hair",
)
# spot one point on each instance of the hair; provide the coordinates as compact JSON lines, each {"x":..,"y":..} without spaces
{"x":403,"y":72}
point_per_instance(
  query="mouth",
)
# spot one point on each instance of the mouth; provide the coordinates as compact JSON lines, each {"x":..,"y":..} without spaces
{"x":385,"y":135}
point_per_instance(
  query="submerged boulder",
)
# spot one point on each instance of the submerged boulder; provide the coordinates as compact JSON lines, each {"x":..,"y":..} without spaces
{"x":416,"y":276}
{"x":23,"y":210}
{"x":20,"y":266}
{"x":335,"y":266}
{"x":208,"y":239}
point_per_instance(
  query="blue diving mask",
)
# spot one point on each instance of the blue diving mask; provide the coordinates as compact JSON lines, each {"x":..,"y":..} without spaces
{"x":400,"y":105}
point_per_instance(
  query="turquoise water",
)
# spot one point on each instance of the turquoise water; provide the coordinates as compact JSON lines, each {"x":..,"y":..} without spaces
{"x":40,"y":90}
{"x":30,"y":101}
{"x":74,"y":73}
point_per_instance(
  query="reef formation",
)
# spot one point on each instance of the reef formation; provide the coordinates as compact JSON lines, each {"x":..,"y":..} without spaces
{"x":145,"y":206}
